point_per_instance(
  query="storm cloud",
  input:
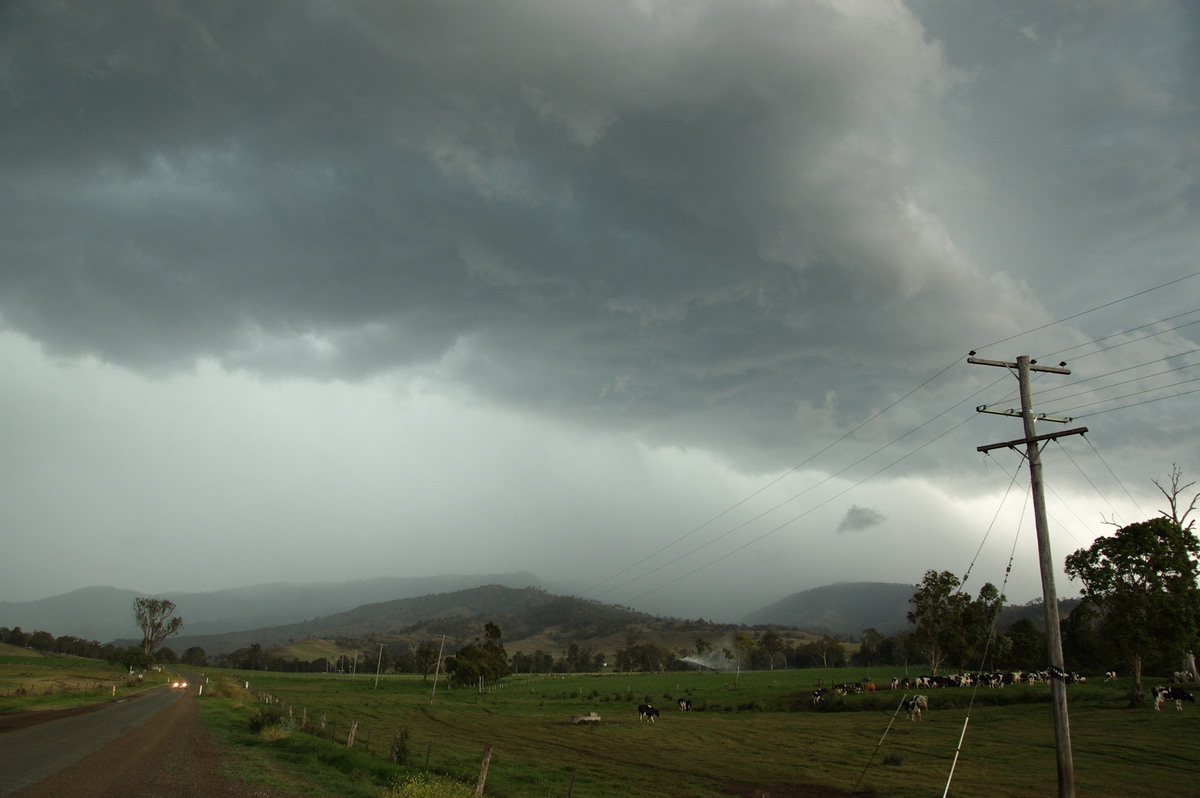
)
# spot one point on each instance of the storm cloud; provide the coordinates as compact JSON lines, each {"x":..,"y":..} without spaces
{"x":346,"y":289}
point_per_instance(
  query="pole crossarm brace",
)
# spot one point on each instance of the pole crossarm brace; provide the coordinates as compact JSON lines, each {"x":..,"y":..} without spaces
{"x":978,"y":361}
{"x":1018,"y":414}
{"x":1034,"y":439}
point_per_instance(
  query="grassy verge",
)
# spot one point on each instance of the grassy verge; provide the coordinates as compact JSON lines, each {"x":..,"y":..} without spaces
{"x":39,"y":681}
{"x":268,"y":748}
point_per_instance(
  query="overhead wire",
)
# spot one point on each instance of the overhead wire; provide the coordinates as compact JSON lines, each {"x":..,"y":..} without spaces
{"x":1100,"y":457}
{"x":1045,"y":398}
{"x":1089,"y":310}
{"x":1077,"y":408}
{"x":987,"y":646}
{"x":1087,"y":478}
{"x":991,"y":631}
{"x":792,"y":520}
{"x":647,"y":558}
{"x":773,"y":482}
{"x":770,"y":510}
{"x":812,"y":509}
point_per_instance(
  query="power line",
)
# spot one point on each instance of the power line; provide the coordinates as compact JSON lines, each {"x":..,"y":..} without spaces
{"x":734,"y":506}
{"x":859,"y":427}
{"x":1091,"y":310}
{"x":1135,"y":393}
{"x":1114,"y":476}
{"x":1119,"y":384}
{"x":792,"y":520}
{"x":1061,"y":352}
{"x":1138,"y":404}
{"x":828,"y":478}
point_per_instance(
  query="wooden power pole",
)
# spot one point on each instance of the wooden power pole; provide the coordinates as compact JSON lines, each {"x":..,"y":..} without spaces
{"x":1058,"y":684}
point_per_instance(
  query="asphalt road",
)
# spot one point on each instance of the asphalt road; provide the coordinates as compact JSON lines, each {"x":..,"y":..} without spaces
{"x":29,"y":755}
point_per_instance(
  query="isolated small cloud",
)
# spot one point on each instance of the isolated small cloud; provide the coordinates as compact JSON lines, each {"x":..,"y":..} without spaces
{"x":860,"y":518}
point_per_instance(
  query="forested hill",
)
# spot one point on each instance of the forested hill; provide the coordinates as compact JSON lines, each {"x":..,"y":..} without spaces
{"x":845,"y":608}
{"x":522,"y":613}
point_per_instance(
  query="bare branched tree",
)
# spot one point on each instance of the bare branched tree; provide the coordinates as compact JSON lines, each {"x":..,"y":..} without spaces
{"x":154,"y":618}
{"x":1175,"y":498}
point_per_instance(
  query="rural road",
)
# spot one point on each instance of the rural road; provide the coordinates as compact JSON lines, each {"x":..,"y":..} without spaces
{"x":34,"y":753}
{"x":149,"y":747}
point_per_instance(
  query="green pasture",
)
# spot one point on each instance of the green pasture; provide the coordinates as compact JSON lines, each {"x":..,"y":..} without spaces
{"x":310,"y":648}
{"x":34,"y":681}
{"x":758,"y":731}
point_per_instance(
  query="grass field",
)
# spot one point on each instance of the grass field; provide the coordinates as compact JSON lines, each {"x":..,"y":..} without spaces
{"x":762,"y":734}
{"x":33,"y":681}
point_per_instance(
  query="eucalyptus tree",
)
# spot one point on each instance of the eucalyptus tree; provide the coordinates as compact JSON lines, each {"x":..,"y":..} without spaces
{"x":937,"y":616}
{"x":1142,"y":583}
{"x":155,"y":618}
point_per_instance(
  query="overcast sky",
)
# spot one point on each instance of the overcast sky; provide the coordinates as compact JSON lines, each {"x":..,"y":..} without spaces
{"x":668,"y":303}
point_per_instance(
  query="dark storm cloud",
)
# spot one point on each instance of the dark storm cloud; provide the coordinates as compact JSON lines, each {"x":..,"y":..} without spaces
{"x":574,"y":276}
{"x":630,"y":214}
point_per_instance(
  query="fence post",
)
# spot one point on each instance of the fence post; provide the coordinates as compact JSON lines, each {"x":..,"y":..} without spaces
{"x":483,"y":769}
{"x":350,"y":734}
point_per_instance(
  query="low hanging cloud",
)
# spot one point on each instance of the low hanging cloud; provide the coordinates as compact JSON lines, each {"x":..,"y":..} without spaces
{"x":859,"y":518}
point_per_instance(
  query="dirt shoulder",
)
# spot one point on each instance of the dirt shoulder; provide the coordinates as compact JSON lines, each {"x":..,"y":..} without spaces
{"x":169,"y":756}
{"x":23,"y":720}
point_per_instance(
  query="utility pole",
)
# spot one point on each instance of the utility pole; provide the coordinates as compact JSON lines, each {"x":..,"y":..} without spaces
{"x":437,"y":669}
{"x":1058,"y":684}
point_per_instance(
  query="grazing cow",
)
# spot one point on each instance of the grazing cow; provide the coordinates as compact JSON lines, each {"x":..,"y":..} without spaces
{"x":818,"y":696}
{"x":647,"y":712}
{"x":914,"y":705}
{"x":685,"y":705}
{"x":1176,"y":694}
{"x":1110,"y":675}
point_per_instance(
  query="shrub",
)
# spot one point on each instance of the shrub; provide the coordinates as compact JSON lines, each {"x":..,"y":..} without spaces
{"x":400,"y":752}
{"x":267,"y":716}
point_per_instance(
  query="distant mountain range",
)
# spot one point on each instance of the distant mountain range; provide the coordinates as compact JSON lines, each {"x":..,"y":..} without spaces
{"x":105,"y":613}
{"x":277,"y":614}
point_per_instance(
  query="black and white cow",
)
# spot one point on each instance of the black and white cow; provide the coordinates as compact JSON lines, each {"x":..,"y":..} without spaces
{"x":647,"y":712}
{"x":1110,"y":675}
{"x":818,"y":696}
{"x":914,"y":705}
{"x":685,"y":705}
{"x":1176,"y":694}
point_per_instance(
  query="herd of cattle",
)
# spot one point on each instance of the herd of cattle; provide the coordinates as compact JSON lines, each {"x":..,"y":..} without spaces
{"x":915,"y":705}
{"x":647,"y":712}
